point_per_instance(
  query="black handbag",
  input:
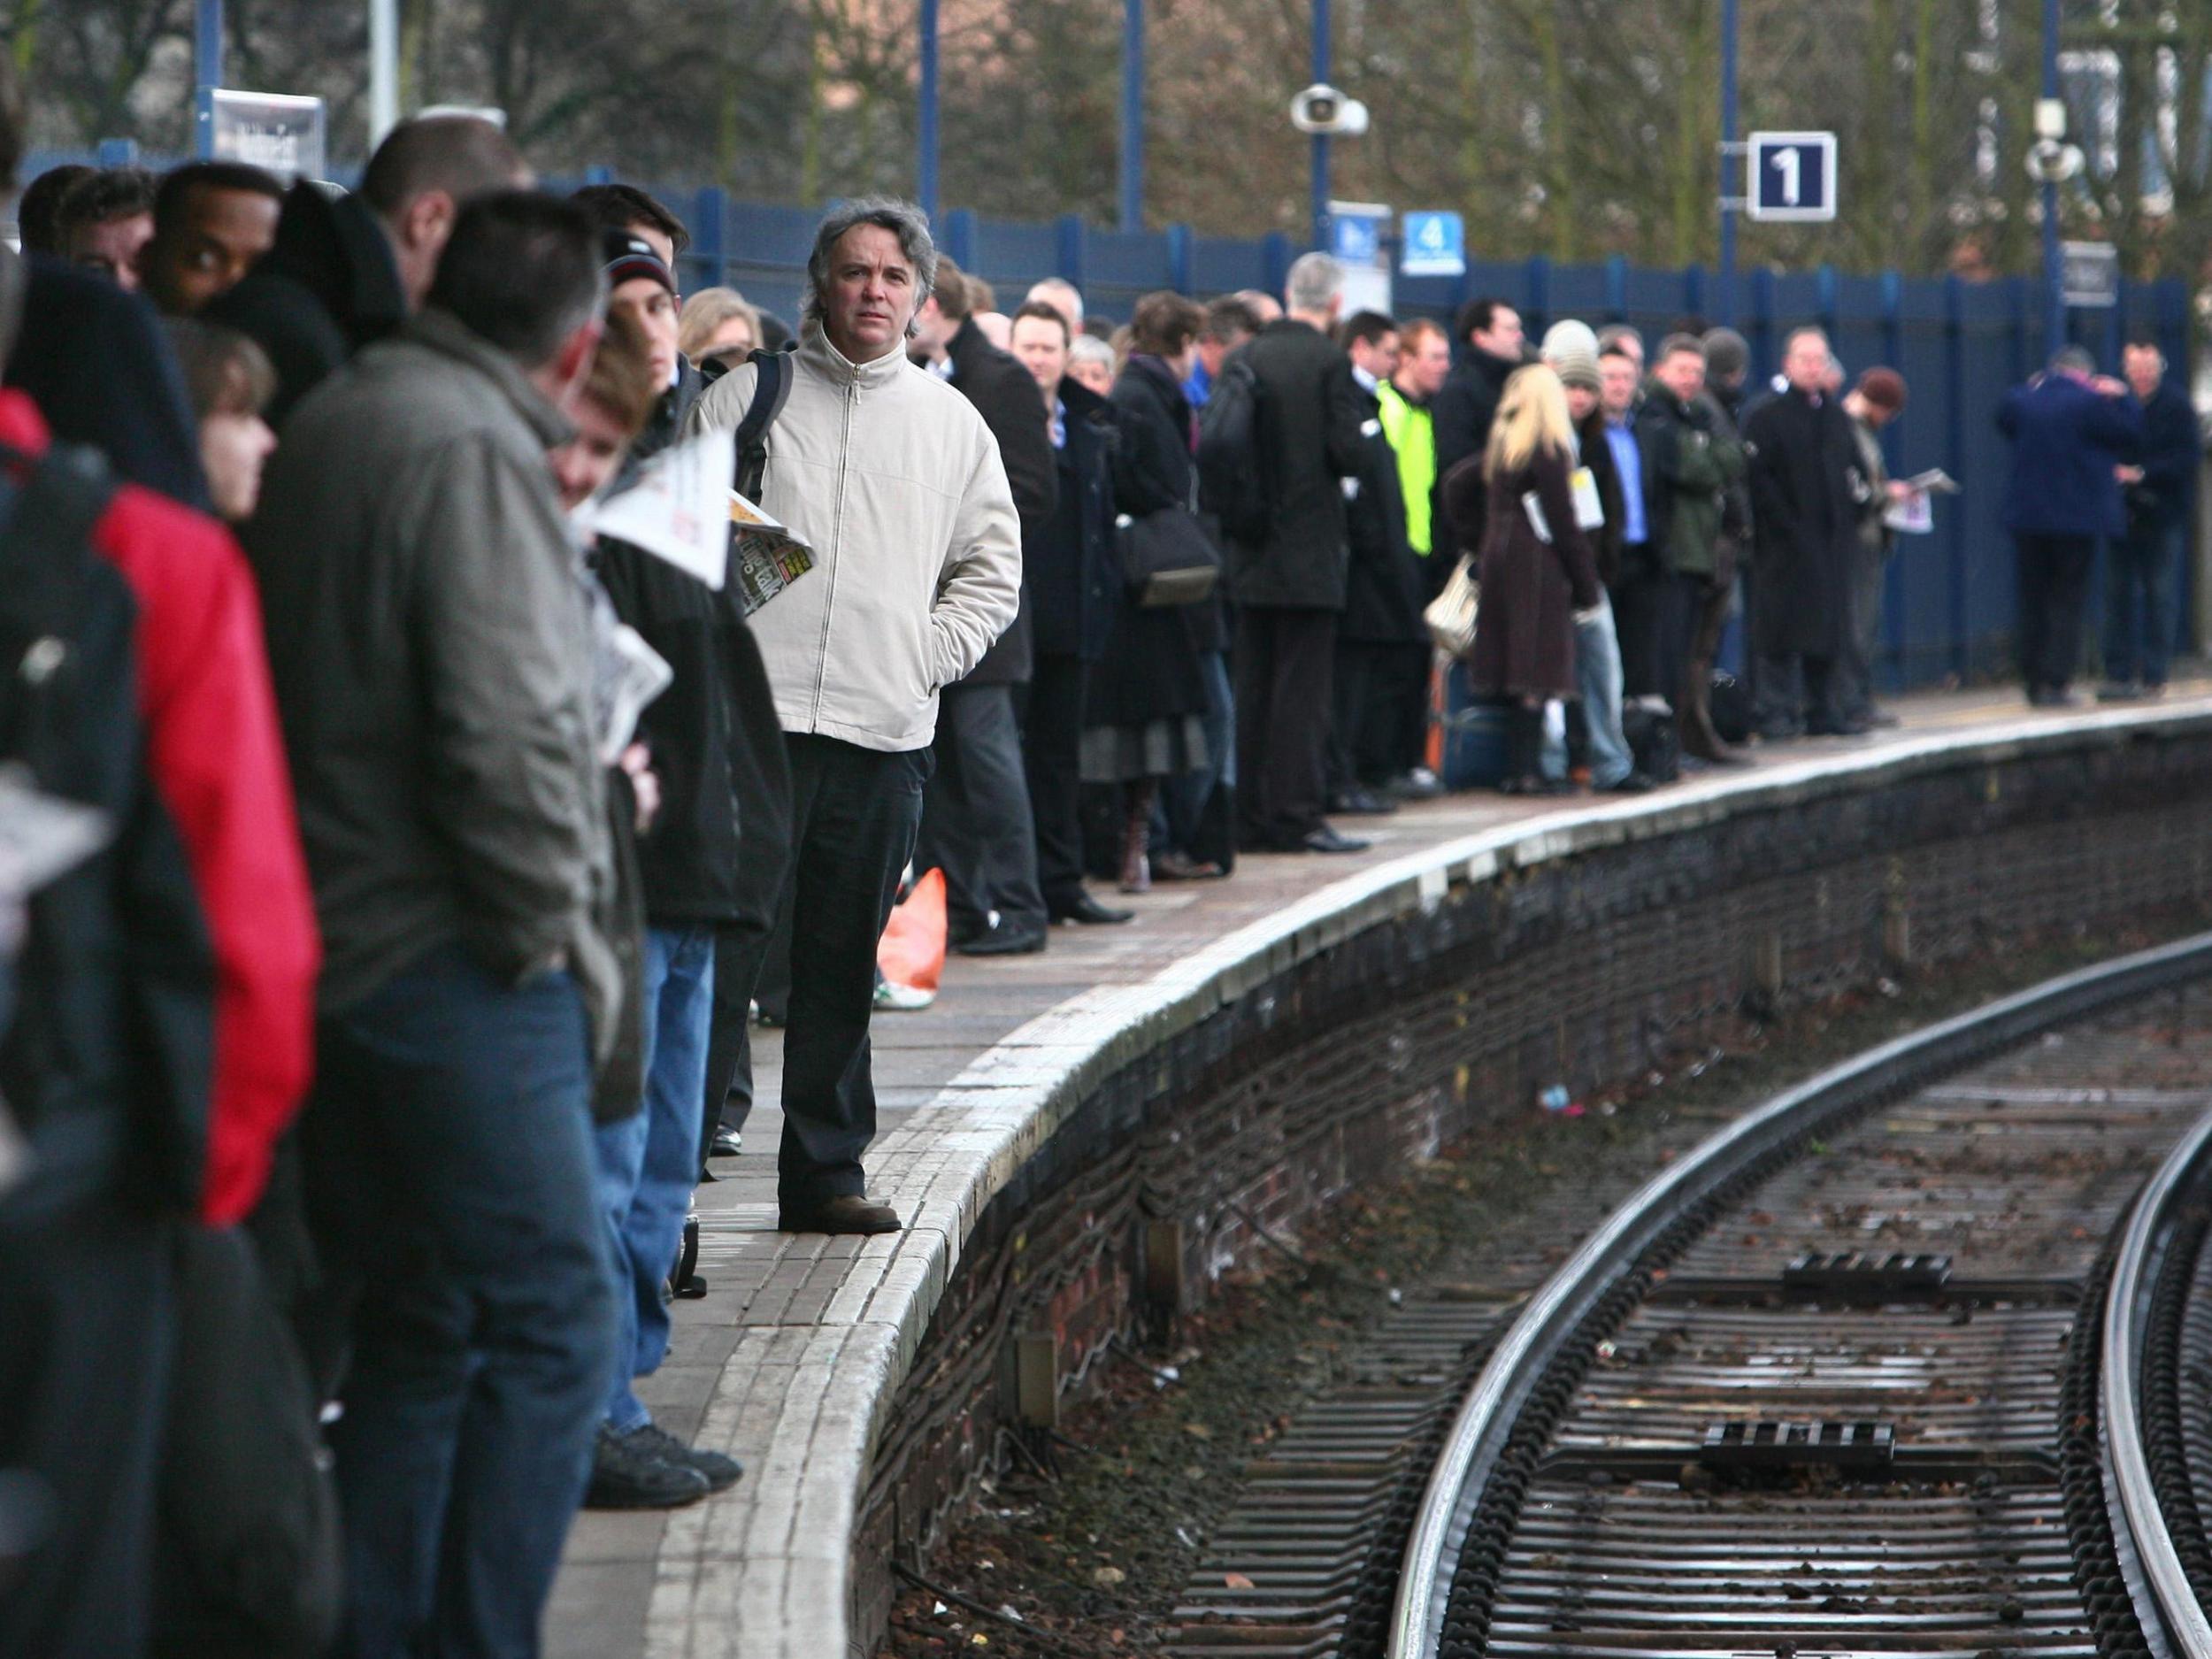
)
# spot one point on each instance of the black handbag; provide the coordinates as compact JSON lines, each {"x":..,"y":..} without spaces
{"x":1167,"y":558}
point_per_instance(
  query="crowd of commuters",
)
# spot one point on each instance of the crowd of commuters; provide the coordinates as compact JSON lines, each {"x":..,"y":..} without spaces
{"x":300,"y":608}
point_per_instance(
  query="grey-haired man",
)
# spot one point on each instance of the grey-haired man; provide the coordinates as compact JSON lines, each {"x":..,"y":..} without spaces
{"x":893,"y":479}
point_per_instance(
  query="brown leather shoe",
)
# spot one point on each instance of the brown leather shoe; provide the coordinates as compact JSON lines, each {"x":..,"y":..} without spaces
{"x":843,"y":1213}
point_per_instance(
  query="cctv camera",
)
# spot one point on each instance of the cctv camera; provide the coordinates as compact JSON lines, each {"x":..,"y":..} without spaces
{"x":1316,"y":110}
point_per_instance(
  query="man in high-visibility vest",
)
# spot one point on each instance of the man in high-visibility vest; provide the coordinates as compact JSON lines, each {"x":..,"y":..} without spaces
{"x":1425,"y":359}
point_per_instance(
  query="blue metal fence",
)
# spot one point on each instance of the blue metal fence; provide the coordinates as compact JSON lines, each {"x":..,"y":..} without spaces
{"x":1959,"y":344}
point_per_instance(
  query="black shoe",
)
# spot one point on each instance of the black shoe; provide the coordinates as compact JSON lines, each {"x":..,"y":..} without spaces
{"x":1327,"y":840}
{"x":1418,"y":785}
{"x":1004,"y":940}
{"x":2050,"y":697}
{"x":1884,"y":718}
{"x":1780,"y":730}
{"x":1851,"y":725}
{"x":843,"y":1213}
{"x":1362,"y":804}
{"x":2119,"y":691}
{"x":1635,"y":783}
{"x":719,"y":1472}
{"x":728,"y":1144}
{"x":1089,"y":912}
{"x":629,"y":1473}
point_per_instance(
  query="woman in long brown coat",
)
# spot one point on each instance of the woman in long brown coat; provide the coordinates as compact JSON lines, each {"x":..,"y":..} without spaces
{"x":1535,"y":564}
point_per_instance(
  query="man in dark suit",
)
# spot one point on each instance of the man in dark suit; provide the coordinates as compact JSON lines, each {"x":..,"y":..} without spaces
{"x":976,"y":824}
{"x":1487,"y":333}
{"x":2071,"y":427}
{"x":2159,"y":482}
{"x":1071,"y":582}
{"x":1803,"y":477}
{"x":1289,"y":586}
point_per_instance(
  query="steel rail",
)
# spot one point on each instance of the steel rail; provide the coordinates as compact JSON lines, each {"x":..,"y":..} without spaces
{"x":2165,"y":1602}
{"x":1486,"y":1419}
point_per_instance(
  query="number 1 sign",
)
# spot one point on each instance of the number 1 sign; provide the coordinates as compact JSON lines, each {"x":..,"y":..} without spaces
{"x":1793,"y":176}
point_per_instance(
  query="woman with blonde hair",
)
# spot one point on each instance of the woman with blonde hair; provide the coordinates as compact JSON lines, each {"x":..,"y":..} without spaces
{"x":1534,"y":563}
{"x":717,"y":321}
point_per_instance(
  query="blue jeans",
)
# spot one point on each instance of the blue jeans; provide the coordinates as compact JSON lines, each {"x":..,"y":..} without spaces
{"x":649,"y":1161}
{"x":2139,"y":570}
{"x":1598,"y":678}
{"x":449,"y":1167}
{"x":1182,"y":804}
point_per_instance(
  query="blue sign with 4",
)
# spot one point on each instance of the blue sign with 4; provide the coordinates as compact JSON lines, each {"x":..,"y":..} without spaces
{"x":1435,"y":245}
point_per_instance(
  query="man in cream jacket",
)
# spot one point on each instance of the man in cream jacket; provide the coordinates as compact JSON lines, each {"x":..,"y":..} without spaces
{"x":893,"y":480}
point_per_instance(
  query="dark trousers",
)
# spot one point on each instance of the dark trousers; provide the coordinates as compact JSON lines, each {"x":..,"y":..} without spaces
{"x":737,"y":953}
{"x":450,"y":1173}
{"x":1799,"y":694}
{"x":854,"y":812}
{"x":975,"y":824}
{"x":2138,"y":603}
{"x":1285,"y":663}
{"x":2054,"y":580}
{"x":1382,"y":706}
{"x":86,"y":1327}
{"x":1051,"y":709}
{"x":1655,"y":614}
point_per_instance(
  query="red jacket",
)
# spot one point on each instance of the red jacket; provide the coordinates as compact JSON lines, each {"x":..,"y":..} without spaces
{"x":218,"y":762}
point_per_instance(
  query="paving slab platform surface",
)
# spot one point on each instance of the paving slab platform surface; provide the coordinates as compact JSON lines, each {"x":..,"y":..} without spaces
{"x":791,"y":1360}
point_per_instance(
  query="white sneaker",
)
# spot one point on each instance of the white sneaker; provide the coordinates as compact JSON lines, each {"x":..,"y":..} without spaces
{"x":903,"y":999}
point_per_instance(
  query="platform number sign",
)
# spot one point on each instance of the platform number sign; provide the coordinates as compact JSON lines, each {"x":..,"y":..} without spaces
{"x":1793,"y":176}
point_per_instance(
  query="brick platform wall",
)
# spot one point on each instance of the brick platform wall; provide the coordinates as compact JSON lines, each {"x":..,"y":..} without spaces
{"x":1580,"y":970}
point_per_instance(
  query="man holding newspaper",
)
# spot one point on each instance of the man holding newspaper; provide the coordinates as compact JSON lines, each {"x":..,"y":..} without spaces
{"x":891,"y":479}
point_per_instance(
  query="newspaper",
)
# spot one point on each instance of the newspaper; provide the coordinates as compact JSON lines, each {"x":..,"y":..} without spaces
{"x":1913,"y":513}
{"x":673,"y":507}
{"x":768,"y":557}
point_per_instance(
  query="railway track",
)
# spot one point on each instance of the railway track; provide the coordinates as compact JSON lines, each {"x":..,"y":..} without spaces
{"x":1914,"y":1359}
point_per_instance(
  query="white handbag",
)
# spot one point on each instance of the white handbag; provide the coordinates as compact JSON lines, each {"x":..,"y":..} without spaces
{"x":1451,"y":614}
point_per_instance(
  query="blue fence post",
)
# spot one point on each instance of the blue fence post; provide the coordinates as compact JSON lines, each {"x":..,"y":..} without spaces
{"x":207,"y":71}
{"x":1694,"y":290}
{"x":1068,"y":249}
{"x":1893,"y":631}
{"x":710,"y":233}
{"x":1954,"y":461}
{"x":1275,"y":260}
{"x":1616,"y":287}
{"x":1763,"y":324}
{"x":598,"y":174}
{"x":117,"y":152}
{"x":2016,"y":292}
{"x":960,"y":237}
{"x":1536,"y":282}
{"x":1181,"y":247}
{"x":1824,"y":299}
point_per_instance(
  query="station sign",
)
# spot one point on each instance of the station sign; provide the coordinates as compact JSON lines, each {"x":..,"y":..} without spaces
{"x":1357,"y":231}
{"x":1792,"y":177}
{"x":1434,"y":244}
{"x":278,"y":134}
{"x":2089,"y":274}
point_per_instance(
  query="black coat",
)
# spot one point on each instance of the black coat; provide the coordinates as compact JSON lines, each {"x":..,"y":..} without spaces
{"x":329,"y":286}
{"x":1070,"y":579}
{"x":1149,"y":670}
{"x":1388,"y":583}
{"x":2168,"y":455}
{"x":1007,"y":396}
{"x":1524,"y":631}
{"x":1310,"y":443}
{"x":1597,"y":455}
{"x":1462,"y":410}
{"x":1805,"y":523}
{"x":95,"y":362}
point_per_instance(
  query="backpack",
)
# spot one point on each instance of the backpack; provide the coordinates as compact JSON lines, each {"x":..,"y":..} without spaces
{"x":1232,"y":484}
{"x":46,"y":602}
{"x":771,"y":390}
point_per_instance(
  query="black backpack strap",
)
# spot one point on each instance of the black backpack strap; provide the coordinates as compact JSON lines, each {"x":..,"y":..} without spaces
{"x":771,"y":390}
{"x":46,"y":561}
